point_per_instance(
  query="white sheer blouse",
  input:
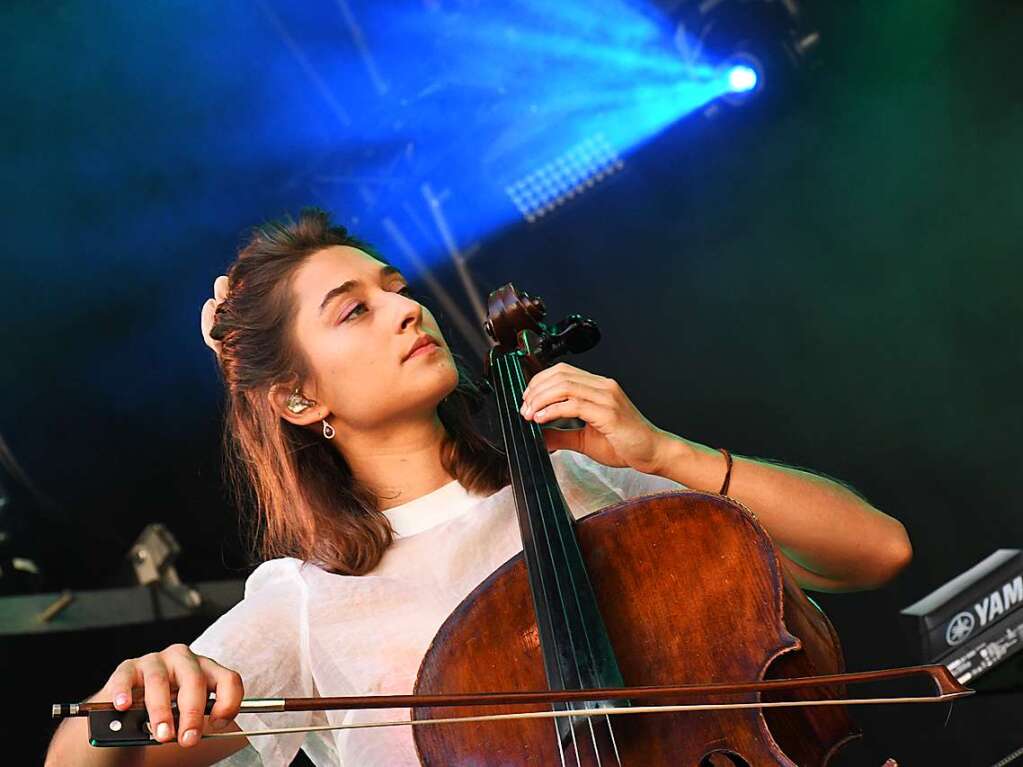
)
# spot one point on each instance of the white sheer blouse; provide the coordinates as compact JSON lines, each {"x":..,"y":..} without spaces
{"x":301,"y":631}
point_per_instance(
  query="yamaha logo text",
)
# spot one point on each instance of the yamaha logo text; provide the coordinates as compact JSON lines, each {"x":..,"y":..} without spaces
{"x":986,"y":610}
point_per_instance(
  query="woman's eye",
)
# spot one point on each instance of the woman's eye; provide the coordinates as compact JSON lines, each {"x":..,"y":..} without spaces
{"x":361,"y":308}
{"x":354,"y":312}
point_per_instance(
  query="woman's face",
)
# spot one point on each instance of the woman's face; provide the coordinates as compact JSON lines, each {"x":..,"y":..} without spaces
{"x":357,"y":323}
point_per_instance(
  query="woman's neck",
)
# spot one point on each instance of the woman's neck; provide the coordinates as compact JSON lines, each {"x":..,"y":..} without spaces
{"x":401,"y":465}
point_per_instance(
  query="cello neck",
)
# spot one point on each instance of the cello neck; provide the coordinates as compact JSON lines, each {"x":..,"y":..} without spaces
{"x":576,"y":648}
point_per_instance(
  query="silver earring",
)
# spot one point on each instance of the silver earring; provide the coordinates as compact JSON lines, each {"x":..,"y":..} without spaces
{"x":297,"y":403}
{"x":328,"y":430}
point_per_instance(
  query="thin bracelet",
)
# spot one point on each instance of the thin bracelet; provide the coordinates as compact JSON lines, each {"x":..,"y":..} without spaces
{"x":728,"y":471}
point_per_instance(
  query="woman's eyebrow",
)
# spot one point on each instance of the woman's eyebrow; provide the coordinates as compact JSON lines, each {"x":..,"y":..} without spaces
{"x":350,"y":285}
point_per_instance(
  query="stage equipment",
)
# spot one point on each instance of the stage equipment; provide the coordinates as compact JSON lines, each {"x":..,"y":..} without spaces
{"x":975,"y":621}
{"x":772,"y":38}
{"x":18,"y":574}
{"x":20,"y":504}
{"x":561,"y":179}
{"x":109,"y":608}
{"x":742,"y":77}
{"x":152,"y":558}
{"x":435,"y":204}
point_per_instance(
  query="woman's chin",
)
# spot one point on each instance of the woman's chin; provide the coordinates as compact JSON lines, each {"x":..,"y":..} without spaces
{"x":429,"y":397}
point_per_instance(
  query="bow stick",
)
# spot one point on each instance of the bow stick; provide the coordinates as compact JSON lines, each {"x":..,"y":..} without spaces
{"x":131,"y":725}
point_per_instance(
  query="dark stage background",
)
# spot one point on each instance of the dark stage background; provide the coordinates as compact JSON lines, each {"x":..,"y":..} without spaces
{"x":830,"y":280}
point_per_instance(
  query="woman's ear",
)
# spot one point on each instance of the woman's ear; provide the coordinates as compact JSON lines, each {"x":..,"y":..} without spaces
{"x":292,"y":405}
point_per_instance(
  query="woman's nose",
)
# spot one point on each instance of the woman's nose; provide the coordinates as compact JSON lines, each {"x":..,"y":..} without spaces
{"x":411,"y":312}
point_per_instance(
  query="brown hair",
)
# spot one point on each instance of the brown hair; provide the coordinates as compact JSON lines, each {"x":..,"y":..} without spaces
{"x":305,"y":500}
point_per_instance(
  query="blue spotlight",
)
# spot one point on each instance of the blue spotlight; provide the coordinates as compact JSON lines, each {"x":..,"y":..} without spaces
{"x":742,"y":78}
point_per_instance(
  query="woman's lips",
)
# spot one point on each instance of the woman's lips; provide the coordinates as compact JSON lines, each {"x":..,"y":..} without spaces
{"x":422,"y":351}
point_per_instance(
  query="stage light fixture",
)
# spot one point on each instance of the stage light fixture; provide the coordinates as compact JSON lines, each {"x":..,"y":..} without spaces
{"x":561,"y":179}
{"x":757,"y":46}
{"x":742,"y":78}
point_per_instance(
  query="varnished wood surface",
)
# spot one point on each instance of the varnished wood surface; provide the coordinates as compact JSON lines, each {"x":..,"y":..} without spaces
{"x":691,"y":591}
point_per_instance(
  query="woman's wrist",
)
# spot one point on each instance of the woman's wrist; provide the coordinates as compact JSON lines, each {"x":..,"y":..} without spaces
{"x":689,"y":463}
{"x":672,"y":452}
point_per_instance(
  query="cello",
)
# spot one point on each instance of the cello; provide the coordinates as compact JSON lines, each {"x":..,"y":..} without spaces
{"x":683,"y":586}
{"x":660,"y":630}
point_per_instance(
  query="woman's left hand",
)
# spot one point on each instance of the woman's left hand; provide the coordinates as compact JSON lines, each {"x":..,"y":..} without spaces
{"x":616,"y":433}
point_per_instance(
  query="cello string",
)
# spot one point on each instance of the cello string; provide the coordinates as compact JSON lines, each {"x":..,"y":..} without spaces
{"x":514,"y":370}
{"x":531,"y":437}
{"x":505,"y":391}
{"x":509,"y":436}
{"x":535,"y":440}
{"x":538,"y":444}
{"x":614,"y":740}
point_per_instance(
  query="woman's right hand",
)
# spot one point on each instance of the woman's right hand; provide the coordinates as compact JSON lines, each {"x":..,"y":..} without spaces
{"x":177,"y":671}
{"x":209,"y":309}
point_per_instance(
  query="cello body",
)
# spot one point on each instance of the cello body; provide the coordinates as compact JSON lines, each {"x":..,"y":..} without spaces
{"x":691,"y":591}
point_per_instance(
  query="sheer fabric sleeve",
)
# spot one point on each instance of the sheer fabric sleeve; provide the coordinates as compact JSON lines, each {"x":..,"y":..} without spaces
{"x":264,"y":638}
{"x":589,"y":485}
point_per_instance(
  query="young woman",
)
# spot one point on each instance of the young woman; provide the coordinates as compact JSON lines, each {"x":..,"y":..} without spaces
{"x":380,"y":506}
